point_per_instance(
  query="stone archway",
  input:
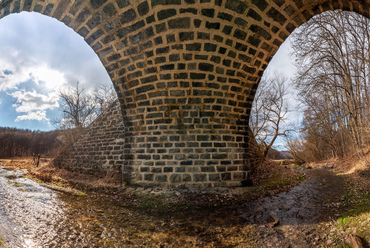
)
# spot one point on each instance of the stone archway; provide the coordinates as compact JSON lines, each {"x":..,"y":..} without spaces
{"x":185,"y":72}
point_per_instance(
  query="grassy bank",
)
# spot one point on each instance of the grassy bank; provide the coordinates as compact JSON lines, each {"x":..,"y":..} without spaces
{"x":2,"y":244}
{"x":355,"y":219}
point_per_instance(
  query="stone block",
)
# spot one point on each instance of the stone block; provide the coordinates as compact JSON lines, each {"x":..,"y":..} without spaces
{"x":143,"y":8}
{"x":175,"y":178}
{"x":128,"y":16}
{"x":214,"y":177}
{"x":200,"y":177}
{"x":208,"y":169}
{"x":166,"y":13}
{"x":186,"y":177}
{"x":236,"y":5}
{"x":178,"y":23}
{"x":161,"y":178}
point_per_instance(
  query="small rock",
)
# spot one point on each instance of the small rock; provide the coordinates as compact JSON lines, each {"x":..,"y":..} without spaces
{"x":273,"y":220}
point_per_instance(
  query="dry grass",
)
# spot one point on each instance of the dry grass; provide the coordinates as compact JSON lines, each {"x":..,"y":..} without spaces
{"x":356,"y":218}
{"x":46,"y":172}
{"x":49,"y":173}
{"x":272,"y":171}
{"x":108,"y":180}
{"x":353,"y":164}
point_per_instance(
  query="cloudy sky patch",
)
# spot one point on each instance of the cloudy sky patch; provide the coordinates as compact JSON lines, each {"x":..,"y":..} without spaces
{"x":28,"y":101}
{"x":35,"y":115}
{"x":40,"y":56}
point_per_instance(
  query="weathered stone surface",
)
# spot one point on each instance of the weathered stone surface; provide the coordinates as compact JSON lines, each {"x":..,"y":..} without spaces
{"x":99,"y":149}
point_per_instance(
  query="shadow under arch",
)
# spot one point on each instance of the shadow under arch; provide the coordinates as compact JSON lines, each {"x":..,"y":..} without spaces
{"x":185,"y":73}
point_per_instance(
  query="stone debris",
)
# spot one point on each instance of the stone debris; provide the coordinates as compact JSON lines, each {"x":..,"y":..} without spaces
{"x":273,"y":220}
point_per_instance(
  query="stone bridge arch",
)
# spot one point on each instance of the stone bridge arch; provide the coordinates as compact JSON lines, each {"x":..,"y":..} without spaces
{"x":185,"y":72}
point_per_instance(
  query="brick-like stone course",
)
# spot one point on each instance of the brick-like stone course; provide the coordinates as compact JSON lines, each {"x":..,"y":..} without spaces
{"x":185,"y":71}
{"x":99,"y":149}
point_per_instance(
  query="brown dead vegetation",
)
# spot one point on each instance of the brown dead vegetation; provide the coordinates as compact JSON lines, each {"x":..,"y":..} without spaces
{"x":53,"y":174}
{"x":278,"y":170}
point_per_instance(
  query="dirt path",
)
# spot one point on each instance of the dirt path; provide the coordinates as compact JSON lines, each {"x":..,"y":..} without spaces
{"x":300,"y":212}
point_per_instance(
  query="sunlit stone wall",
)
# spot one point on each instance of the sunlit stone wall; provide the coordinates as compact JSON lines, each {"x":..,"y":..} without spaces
{"x":185,"y":72}
{"x":99,"y":149}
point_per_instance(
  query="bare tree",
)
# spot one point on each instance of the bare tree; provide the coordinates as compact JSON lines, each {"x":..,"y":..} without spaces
{"x":22,"y":143}
{"x":77,"y":108}
{"x":269,"y":111}
{"x":104,"y":96}
{"x":78,"y":111}
{"x":333,"y":51}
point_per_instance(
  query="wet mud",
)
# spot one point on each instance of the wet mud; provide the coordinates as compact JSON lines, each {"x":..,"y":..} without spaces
{"x":34,"y":216}
{"x":296,"y":218}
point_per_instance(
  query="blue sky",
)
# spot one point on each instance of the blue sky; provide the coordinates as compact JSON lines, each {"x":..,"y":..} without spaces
{"x":39,"y":56}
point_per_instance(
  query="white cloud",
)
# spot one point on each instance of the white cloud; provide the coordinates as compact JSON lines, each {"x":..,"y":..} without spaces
{"x":51,"y":78}
{"x":36,"y":115}
{"x":34,"y":104}
{"x":31,"y":100}
{"x":42,"y":49}
{"x":29,"y":71}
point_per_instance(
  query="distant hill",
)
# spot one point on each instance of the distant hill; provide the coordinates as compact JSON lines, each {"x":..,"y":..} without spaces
{"x":286,"y":154}
{"x":275,"y":154}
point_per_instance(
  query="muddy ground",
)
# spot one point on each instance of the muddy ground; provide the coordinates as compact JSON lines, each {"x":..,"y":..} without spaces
{"x":322,"y":211}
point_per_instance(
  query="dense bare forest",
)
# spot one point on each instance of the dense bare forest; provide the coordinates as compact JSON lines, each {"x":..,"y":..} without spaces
{"x":333,"y":78}
{"x":332,"y":82}
{"x":22,"y":143}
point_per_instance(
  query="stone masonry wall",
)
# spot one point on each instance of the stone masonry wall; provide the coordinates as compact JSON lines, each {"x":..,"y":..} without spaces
{"x":185,"y":72}
{"x":99,"y":149}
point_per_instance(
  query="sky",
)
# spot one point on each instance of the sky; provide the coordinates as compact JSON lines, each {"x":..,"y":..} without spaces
{"x":39,"y":56}
{"x":283,"y":63}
